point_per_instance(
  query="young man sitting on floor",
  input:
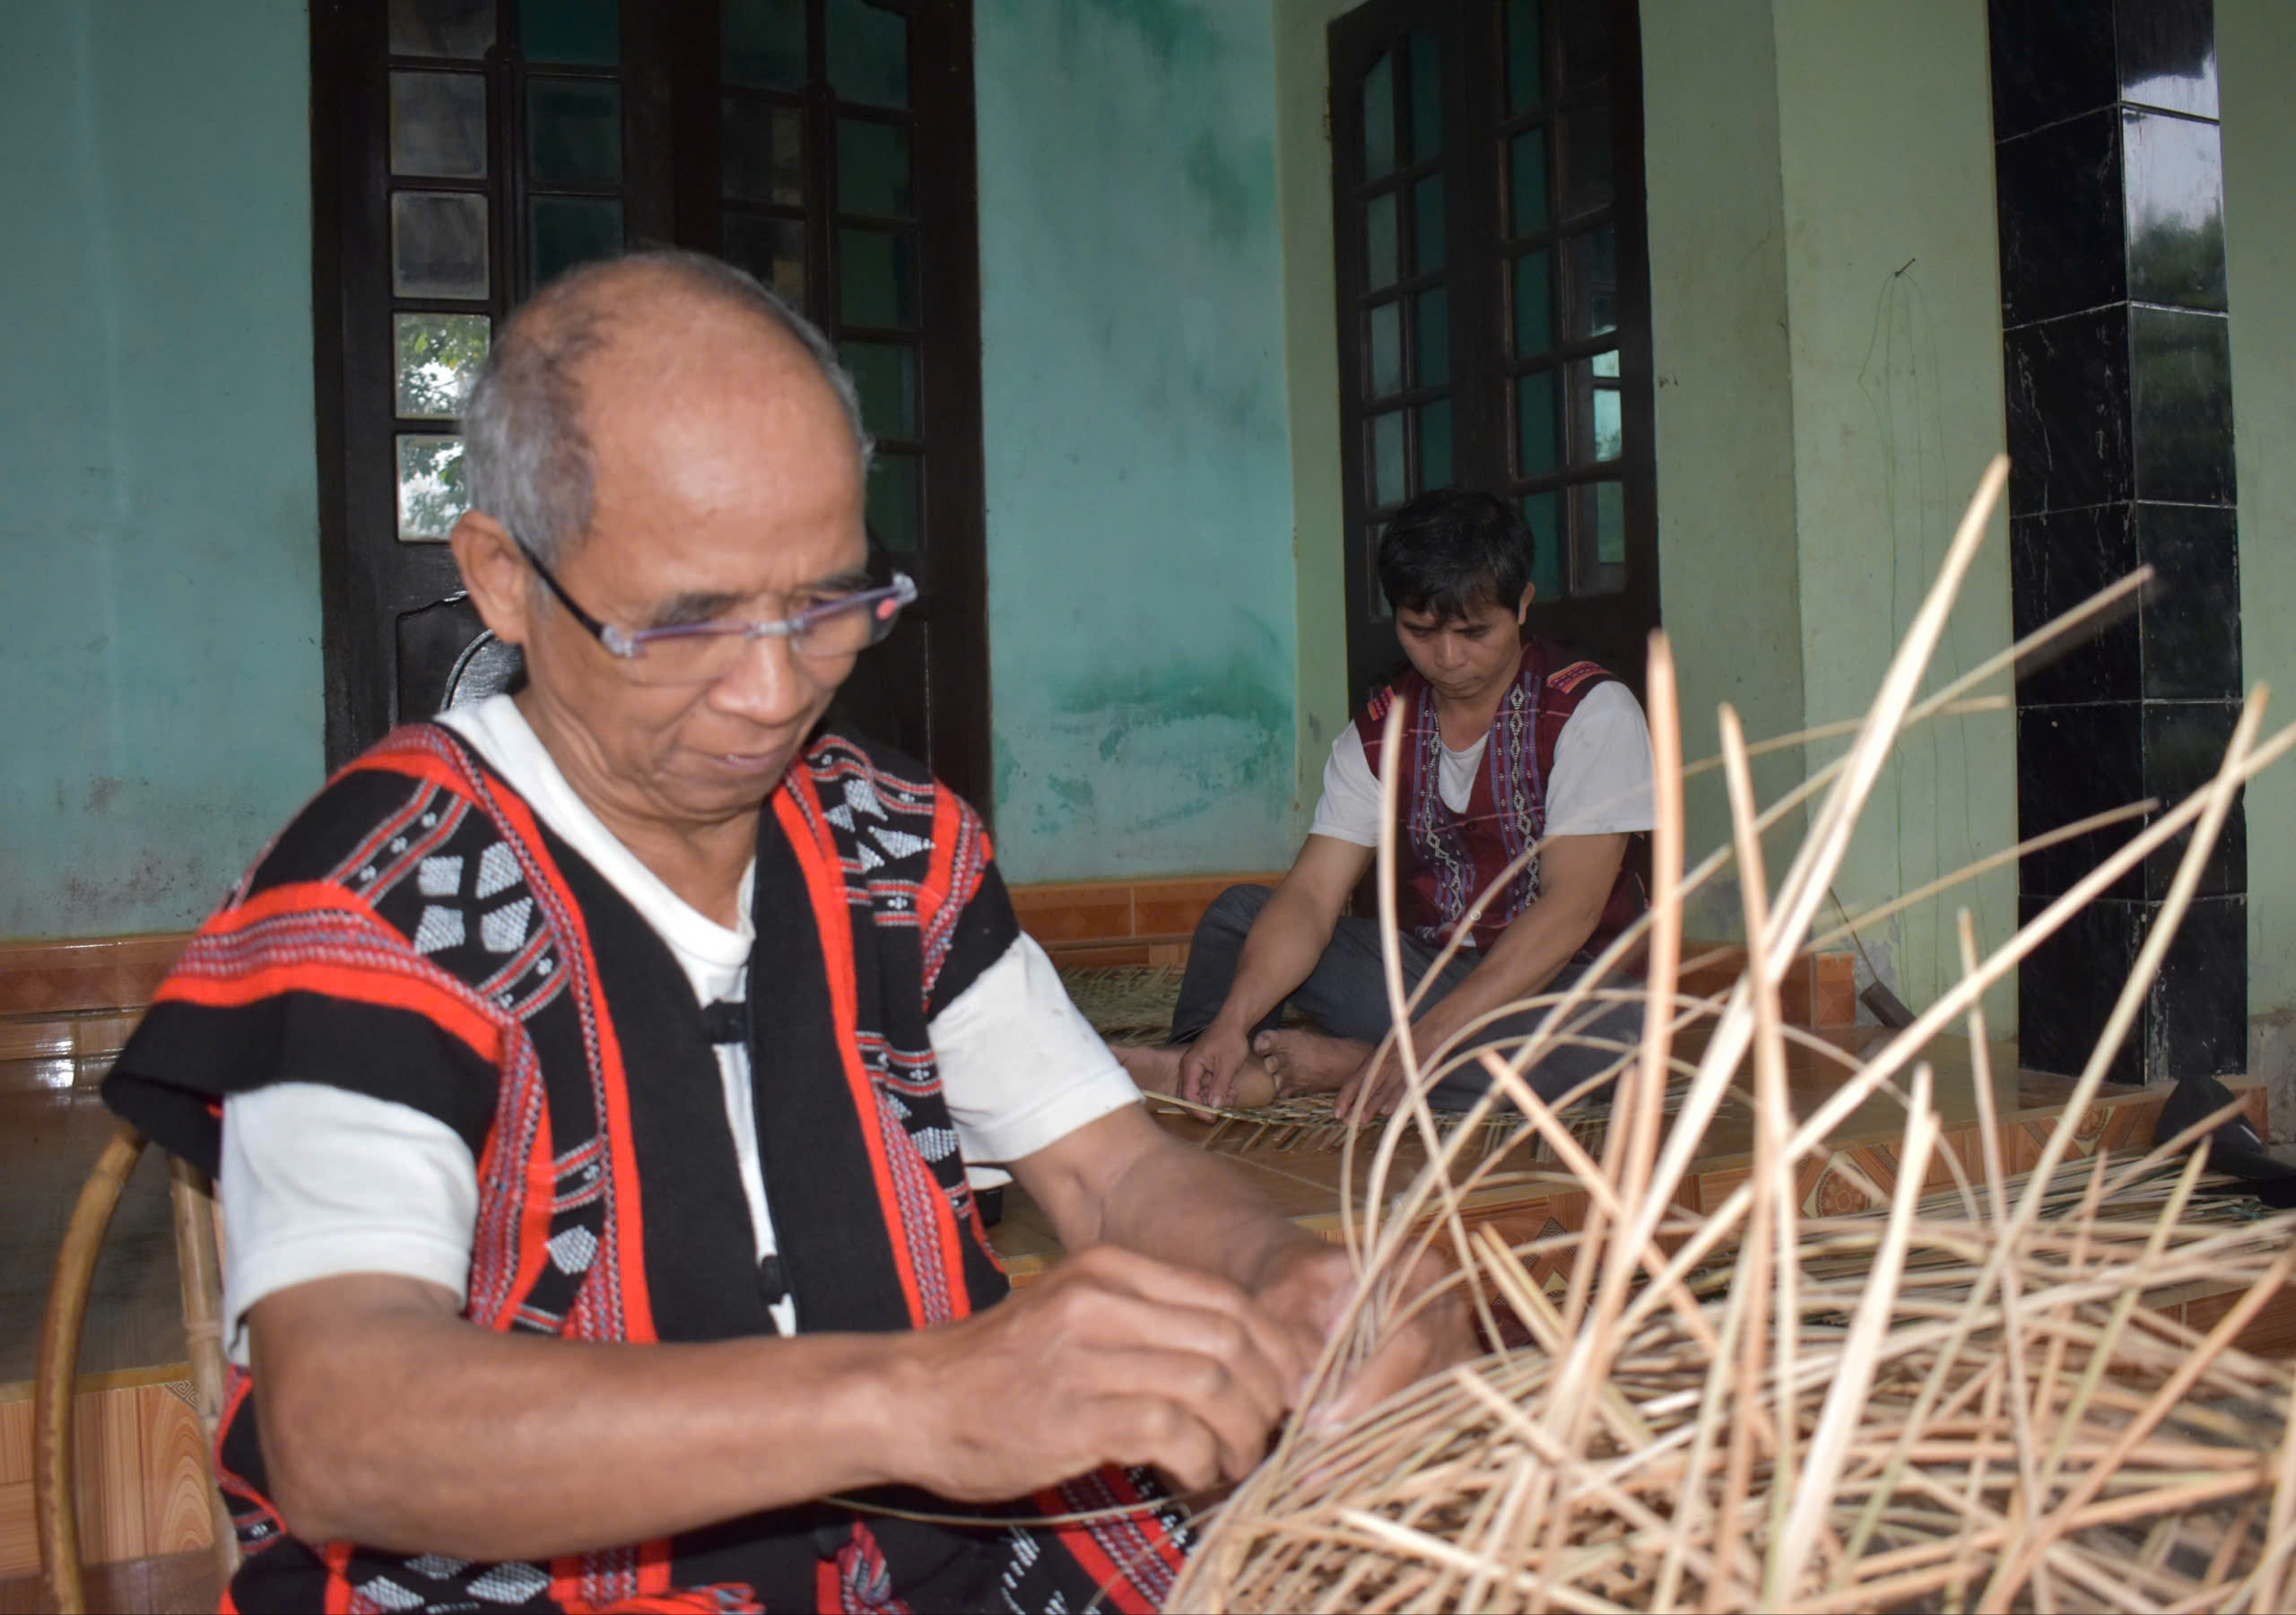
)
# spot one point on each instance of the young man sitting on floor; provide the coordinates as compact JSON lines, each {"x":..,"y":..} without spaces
{"x":1506,"y":741}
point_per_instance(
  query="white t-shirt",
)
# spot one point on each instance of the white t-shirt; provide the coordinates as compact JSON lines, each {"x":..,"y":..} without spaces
{"x":1601,"y":783}
{"x":317,"y":1181}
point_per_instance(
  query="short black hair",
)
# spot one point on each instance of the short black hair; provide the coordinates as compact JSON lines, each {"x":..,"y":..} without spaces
{"x":1451,"y":552}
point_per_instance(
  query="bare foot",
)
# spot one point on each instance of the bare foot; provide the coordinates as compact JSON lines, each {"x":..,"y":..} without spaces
{"x":1156,"y":1069}
{"x":1306,"y":1062}
{"x":1255,"y":1086}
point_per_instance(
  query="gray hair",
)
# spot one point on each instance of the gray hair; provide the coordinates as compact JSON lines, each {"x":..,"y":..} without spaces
{"x":527,"y":455}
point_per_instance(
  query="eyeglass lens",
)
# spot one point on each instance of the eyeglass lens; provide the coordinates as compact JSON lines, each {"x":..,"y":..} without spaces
{"x":702,"y":658}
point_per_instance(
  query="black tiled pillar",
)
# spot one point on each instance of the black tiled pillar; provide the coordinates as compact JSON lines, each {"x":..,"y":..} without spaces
{"x":2119,"y":392}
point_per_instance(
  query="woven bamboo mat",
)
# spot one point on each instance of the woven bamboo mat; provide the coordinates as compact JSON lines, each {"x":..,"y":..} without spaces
{"x":1126,"y":1004}
{"x":1133,"y":1005}
{"x":1310,"y":1121}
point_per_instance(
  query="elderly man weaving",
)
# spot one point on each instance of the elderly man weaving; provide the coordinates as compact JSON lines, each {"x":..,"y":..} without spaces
{"x":596,"y":1071}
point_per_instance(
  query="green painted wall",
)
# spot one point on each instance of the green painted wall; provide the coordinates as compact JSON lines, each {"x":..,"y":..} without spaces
{"x":1893,"y":315}
{"x":1311,"y":386}
{"x":2256,"y":47}
{"x":1724,"y":396}
{"x":161,"y":658}
{"x":1140,"y":566}
{"x":1826,"y":336}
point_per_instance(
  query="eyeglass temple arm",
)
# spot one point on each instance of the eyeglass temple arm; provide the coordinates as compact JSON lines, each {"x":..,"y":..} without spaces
{"x":598,"y":629}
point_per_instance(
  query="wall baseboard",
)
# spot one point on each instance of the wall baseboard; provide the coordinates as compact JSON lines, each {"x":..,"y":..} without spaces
{"x":85,"y":974}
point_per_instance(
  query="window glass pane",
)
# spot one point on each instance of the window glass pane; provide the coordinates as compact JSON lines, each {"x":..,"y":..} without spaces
{"x":1426,"y":95}
{"x":1431,"y":356}
{"x":1597,"y":428}
{"x":1534,"y":306}
{"x":772,"y":249}
{"x":1525,"y":83}
{"x":885,"y":375}
{"x":877,"y":279}
{"x":1380,"y":119}
{"x":1386,"y":348}
{"x":1388,"y":487}
{"x":1591,"y":307}
{"x":763,"y":44}
{"x":437,"y":244}
{"x":566,"y":230}
{"x":1606,"y":363}
{"x":1610,"y":425}
{"x":1435,"y":445}
{"x":433,"y":486}
{"x":1610,"y":523}
{"x":438,"y":124}
{"x":588,"y":32}
{"x":438,"y":356}
{"x":763,"y":152}
{"x":1380,"y":606}
{"x":1427,"y":225}
{"x":1598,"y":524}
{"x":573,"y":132}
{"x":1379,"y":242}
{"x":897,"y":503}
{"x":1538,"y":447}
{"x":1526,"y":182}
{"x":872,"y":168}
{"x":1586,"y":32}
{"x":1543,"y":514}
{"x":1584,"y":132}
{"x":869,"y":53}
{"x":441,"y":28}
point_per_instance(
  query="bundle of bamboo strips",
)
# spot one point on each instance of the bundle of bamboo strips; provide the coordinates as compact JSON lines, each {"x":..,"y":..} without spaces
{"x":1958,"y":1399}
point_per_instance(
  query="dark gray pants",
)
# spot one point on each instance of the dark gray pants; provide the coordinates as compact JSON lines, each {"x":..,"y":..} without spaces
{"x":1346,"y":995}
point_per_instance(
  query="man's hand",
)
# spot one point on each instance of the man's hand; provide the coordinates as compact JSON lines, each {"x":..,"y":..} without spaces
{"x":1112,"y":1358}
{"x":1310,"y":1288}
{"x":1377,"y":1085}
{"x":1210,"y":1068}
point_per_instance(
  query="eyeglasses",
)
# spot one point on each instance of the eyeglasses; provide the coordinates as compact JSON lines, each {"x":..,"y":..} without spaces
{"x":702,"y":653}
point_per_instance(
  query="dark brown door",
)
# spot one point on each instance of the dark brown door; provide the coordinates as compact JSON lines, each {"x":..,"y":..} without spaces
{"x":467,"y":150}
{"x":1494,"y":298}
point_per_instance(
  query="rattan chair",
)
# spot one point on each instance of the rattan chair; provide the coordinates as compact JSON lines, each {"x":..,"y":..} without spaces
{"x":197,"y":1265}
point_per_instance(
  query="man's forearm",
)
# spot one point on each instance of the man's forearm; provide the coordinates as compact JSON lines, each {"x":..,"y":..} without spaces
{"x":1183,"y":1206}
{"x":407,"y":1428}
{"x":1123,"y":1180}
{"x":1282,"y":946}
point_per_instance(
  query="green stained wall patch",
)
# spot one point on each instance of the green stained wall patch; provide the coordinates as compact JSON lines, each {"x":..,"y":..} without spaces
{"x":159,"y":534}
{"x":1141,"y":578}
{"x":1230,"y":200}
{"x":1178,"y":35}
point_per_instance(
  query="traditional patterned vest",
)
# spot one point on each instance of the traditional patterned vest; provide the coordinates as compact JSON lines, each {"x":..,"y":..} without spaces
{"x":417,"y":934}
{"x":1447,"y":860}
